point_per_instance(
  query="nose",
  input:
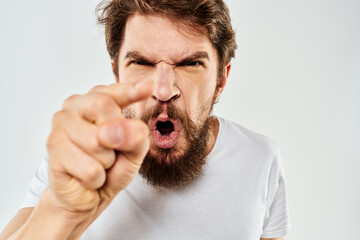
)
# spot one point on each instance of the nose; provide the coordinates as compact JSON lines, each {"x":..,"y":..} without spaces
{"x":165,"y":88}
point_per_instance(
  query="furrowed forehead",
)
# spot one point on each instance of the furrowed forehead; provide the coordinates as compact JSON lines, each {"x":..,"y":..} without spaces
{"x":197,"y":55}
{"x":157,"y":37}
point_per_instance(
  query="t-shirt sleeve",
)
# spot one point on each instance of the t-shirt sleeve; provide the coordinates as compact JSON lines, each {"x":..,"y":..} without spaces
{"x":38,"y":184}
{"x":276,"y":221}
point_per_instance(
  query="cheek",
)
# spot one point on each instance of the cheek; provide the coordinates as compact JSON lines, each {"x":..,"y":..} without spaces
{"x":198,"y":87}
{"x":197,"y":97}
{"x":133,"y":74}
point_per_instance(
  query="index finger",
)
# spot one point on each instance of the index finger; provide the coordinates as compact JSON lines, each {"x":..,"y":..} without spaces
{"x":127,"y":93}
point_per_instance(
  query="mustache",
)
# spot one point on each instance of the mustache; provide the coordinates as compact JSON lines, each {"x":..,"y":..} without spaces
{"x":172,"y":111}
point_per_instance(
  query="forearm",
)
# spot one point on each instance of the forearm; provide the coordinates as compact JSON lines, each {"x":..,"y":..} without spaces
{"x":49,"y":221}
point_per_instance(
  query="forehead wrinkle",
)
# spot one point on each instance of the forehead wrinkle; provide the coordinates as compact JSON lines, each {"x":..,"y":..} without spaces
{"x":183,"y":35}
{"x":172,"y":60}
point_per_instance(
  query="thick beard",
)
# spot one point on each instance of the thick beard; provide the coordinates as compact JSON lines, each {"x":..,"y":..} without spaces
{"x":169,"y":168}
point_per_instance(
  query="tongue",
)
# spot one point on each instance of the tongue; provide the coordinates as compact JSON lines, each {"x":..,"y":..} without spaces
{"x":166,"y":140}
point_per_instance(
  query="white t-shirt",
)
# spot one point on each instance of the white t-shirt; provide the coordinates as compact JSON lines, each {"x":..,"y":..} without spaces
{"x":241,"y":195}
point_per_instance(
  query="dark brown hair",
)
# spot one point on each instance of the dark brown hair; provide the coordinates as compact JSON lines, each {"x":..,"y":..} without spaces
{"x":209,"y":15}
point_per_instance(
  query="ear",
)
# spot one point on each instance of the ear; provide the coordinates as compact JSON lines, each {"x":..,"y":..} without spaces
{"x":113,"y":70}
{"x":222,"y":81}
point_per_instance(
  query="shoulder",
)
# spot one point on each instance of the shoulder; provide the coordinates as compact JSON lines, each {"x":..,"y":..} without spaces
{"x":238,"y":137}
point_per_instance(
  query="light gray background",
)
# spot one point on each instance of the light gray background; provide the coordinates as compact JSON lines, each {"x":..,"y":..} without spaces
{"x":296,"y":78}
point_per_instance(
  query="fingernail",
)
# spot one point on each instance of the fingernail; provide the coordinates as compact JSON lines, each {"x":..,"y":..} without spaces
{"x":114,"y":133}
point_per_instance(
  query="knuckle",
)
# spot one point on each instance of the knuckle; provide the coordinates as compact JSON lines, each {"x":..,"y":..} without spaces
{"x":97,"y":88}
{"x":70,"y":100}
{"x":93,"y":172}
{"x":107,"y":158}
{"x":58,"y":117}
{"x":55,"y":138}
{"x":93,"y":144}
{"x":102,"y":102}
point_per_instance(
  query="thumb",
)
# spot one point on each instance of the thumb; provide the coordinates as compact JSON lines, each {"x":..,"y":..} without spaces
{"x":123,"y":134}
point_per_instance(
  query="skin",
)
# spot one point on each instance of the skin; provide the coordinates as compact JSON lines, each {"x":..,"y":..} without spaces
{"x":84,"y":171}
{"x":183,"y":64}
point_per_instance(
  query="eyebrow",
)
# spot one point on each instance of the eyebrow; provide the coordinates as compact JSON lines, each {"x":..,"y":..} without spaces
{"x":137,"y":56}
{"x":195,"y":56}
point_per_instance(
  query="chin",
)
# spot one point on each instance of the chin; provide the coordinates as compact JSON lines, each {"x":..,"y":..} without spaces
{"x":169,"y":155}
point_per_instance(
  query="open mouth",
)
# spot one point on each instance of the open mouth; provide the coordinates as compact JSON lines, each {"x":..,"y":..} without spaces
{"x":165,"y":132}
{"x":165,"y":128}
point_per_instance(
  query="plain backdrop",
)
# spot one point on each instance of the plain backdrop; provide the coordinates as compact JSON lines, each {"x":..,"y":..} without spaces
{"x":296,"y":79}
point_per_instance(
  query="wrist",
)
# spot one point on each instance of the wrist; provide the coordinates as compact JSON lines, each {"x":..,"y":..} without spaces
{"x":49,"y":220}
{"x":49,"y":201}
{"x":73,"y":223}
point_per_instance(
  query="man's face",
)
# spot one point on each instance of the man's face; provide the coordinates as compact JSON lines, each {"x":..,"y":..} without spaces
{"x":183,"y":65}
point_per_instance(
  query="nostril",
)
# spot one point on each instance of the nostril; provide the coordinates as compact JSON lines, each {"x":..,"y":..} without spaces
{"x":165,"y":89}
{"x":165,"y":128}
{"x":164,"y":100}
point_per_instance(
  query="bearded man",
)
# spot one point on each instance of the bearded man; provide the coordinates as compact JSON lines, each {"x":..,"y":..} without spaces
{"x":201,"y":176}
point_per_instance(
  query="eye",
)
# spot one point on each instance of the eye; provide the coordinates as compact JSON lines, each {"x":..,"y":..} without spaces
{"x":194,"y":64}
{"x":140,"y":62}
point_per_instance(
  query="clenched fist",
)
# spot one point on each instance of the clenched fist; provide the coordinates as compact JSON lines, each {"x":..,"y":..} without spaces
{"x":94,"y":152}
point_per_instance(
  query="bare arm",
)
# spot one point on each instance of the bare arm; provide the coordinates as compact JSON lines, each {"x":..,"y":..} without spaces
{"x":94,"y":153}
{"x":18,"y":220}
{"x":45,"y":221}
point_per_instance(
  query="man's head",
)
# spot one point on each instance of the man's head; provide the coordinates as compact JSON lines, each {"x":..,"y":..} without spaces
{"x":185,"y":47}
{"x":210,"y":17}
